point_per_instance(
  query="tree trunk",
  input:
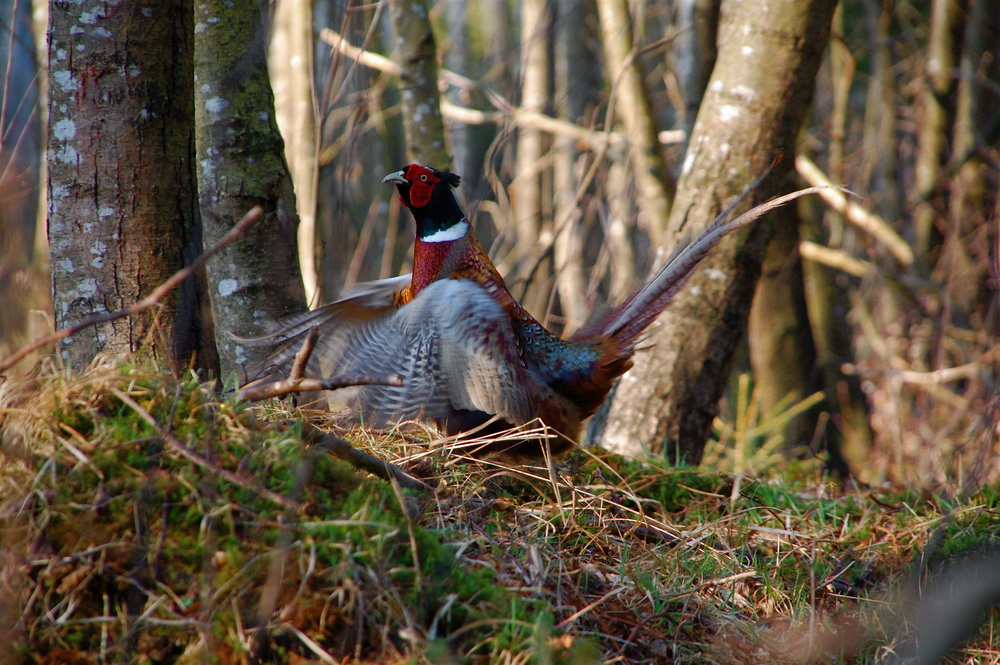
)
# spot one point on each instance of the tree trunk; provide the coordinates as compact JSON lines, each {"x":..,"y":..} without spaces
{"x":20,"y":162}
{"x":848,"y":434}
{"x":694,"y":52}
{"x":290,"y":68}
{"x":526,"y":189}
{"x":458,"y":58}
{"x":756,"y":101}
{"x":417,"y":55}
{"x":121,"y":186}
{"x":255,"y":281}
{"x":653,"y":184}
{"x":881,"y":122}
{"x":570,"y":78}
{"x":782,"y":354}
{"x":937,"y":98}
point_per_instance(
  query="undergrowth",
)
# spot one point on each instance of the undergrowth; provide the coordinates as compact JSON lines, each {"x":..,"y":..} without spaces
{"x":118,"y":545}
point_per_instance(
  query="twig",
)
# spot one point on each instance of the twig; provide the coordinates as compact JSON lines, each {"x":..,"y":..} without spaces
{"x":868,"y":222}
{"x":152,"y":299}
{"x":835,"y":258}
{"x":590,"y":138}
{"x":306,"y":385}
{"x":361,"y":460}
{"x":297,"y":382}
{"x":177,"y":446}
{"x":313,"y":646}
{"x":302,"y":356}
{"x":943,"y":375}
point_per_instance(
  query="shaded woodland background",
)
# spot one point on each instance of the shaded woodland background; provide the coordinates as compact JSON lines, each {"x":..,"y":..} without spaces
{"x":888,"y":308}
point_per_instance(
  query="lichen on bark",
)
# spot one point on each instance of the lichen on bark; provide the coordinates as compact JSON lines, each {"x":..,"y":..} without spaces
{"x":120,"y":180}
{"x":254,"y":282}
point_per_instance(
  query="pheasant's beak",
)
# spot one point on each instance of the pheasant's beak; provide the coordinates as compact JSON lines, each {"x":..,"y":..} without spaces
{"x":397,"y":178}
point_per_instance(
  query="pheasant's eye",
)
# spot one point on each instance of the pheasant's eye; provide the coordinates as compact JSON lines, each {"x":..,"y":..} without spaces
{"x":423,"y":177}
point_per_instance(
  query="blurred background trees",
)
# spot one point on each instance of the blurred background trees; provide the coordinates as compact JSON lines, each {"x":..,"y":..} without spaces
{"x":572,"y":122}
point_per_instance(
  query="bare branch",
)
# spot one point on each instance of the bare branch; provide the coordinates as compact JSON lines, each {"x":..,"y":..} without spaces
{"x":834,"y":258}
{"x":304,"y":353}
{"x":152,"y":299}
{"x":297,"y":382}
{"x":868,"y":222}
{"x":362,"y":460}
{"x":306,"y":385}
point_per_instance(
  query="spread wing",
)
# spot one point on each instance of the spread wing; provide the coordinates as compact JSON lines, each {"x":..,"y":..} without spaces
{"x":453,"y":345}
{"x":336,"y":320}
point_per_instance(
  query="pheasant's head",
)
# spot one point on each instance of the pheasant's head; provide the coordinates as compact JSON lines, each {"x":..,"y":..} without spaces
{"x":428,"y":194}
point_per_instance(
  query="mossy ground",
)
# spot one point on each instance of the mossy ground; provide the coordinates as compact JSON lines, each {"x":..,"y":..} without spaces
{"x":117,"y":548}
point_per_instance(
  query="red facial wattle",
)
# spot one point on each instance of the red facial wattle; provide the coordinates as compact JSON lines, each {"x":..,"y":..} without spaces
{"x":422,"y":184}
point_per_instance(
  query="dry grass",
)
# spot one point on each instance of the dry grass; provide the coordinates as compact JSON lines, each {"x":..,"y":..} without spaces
{"x":116,"y":546}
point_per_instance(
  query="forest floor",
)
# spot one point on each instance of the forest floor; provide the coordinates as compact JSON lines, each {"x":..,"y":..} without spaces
{"x":145,"y":520}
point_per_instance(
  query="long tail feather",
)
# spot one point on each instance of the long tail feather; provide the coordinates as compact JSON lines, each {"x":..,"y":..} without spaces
{"x":629,"y":319}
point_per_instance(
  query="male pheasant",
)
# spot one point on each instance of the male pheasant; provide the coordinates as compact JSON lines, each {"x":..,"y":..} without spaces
{"x":470,"y":356}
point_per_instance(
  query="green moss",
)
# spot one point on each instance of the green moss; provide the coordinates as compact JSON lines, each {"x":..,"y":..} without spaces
{"x":136,"y":529}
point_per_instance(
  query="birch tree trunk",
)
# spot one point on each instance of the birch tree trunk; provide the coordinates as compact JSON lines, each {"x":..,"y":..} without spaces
{"x":290,"y":69}
{"x":570,"y":77}
{"x":526,"y":189}
{"x":255,"y":281}
{"x":756,"y":101}
{"x":121,"y":186}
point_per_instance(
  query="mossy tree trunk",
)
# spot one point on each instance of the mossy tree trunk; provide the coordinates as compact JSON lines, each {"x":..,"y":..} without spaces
{"x":255,"y":281}
{"x":416,"y":53}
{"x":121,"y":186}
{"x":757,"y":98}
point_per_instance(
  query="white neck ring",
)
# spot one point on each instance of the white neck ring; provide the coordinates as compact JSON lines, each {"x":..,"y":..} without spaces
{"x":449,"y":234}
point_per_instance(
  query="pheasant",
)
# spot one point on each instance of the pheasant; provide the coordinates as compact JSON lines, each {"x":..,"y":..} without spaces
{"x":470,"y":356}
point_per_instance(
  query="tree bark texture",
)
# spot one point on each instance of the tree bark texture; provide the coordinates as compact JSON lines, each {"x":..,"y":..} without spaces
{"x":755,"y":103}
{"x":121,"y":182}
{"x":417,"y":55}
{"x":255,"y":281}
